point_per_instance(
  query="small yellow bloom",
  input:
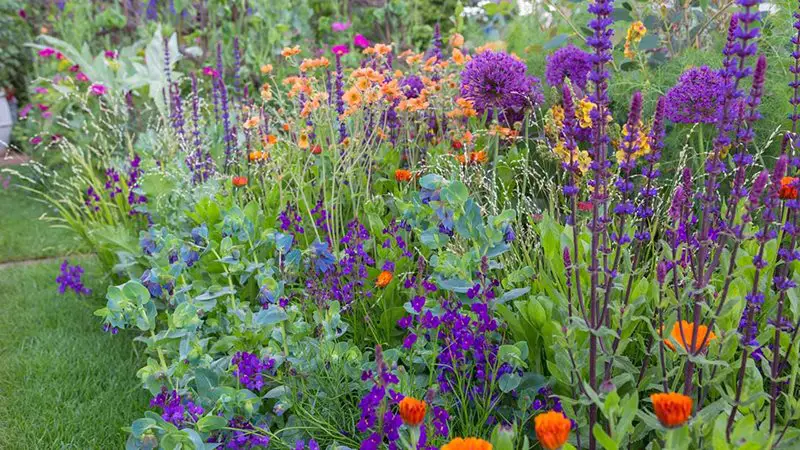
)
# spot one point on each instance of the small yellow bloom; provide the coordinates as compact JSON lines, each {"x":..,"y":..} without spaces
{"x":303,"y":141}
{"x":635,"y":33}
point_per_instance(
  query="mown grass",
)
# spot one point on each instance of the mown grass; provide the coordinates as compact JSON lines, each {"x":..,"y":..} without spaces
{"x":22,"y":234}
{"x":64,"y":383}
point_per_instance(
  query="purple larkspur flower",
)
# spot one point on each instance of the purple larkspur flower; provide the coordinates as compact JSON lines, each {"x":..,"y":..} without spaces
{"x":568,"y":62}
{"x":70,"y":278}
{"x":696,"y":97}
{"x":498,"y":83}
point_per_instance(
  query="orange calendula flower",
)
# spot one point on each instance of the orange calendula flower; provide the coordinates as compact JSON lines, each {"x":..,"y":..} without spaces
{"x":384,"y":278}
{"x":412,"y":411}
{"x":402,"y":175}
{"x":286,"y":127}
{"x":788,"y":189}
{"x":672,"y":409}
{"x":467,"y":444}
{"x":290,"y":51}
{"x":239,"y":181}
{"x":552,"y":429}
{"x":684,"y":329}
{"x":266,"y":68}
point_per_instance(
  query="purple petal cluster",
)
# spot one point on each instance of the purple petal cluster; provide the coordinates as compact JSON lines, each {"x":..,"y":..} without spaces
{"x":568,"y":62}
{"x":70,"y":278}
{"x":380,"y":428}
{"x":175,"y":408}
{"x":498,"y":83}
{"x":242,"y":436}
{"x":697,"y":97}
{"x":250,"y":369}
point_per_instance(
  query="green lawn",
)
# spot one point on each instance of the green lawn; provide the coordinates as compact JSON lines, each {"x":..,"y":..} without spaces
{"x":64,"y":383}
{"x":22,"y":235}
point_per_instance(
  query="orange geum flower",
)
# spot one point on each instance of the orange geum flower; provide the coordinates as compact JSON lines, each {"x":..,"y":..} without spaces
{"x":266,"y":92}
{"x":788,"y":189}
{"x":384,"y":279}
{"x":382,"y":49}
{"x":303,"y":141}
{"x":456,"y":40}
{"x":257,"y":156}
{"x":479,"y":157}
{"x":684,"y":329}
{"x":362,"y":84}
{"x":239,"y":181}
{"x":402,"y":175}
{"x":352,"y":97}
{"x":270,"y":139}
{"x":467,"y":444}
{"x":412,"y":411}
{"x":458,"y":57}
{"x":672,"y":409}
{"x":552,"y":429}
{"x":266,"y":68}
{"x":251,"y":123}
{"x":290,"y":51}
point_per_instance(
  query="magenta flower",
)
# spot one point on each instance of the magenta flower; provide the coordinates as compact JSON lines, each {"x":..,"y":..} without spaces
{"x":81,"y":77}
{"x":360,"y":41}
{"x":338,"y":27}
{"x":40,"y":90}
{"x":110,"y":54}
{"x":23,"y":113}
{"x":210,"y":72}
{"x":47,"y":52}
{"x":47,"y":114}
{"x":22,"y":14}
{"x":74,"y":68}
{"x":36,"y":140}
{"x":98,"y":89}
{"x":340,"y":49}
{"x":42,"y":107}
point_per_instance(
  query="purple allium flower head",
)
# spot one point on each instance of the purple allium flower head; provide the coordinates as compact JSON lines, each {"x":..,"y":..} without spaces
{"x":498,"y":83}
{"x":697,"y":96}
{"x":568,"y":62}
{"x":70,"y":278}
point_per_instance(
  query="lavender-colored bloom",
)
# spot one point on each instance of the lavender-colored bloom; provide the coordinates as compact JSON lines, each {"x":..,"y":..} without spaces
{"x":697,"y":96}
{"x":568,"y":62}
{"x":250,"y":370}
{"x":241,"y":435}
{"x":152,"y":10}
{"x":70,"y":278}
{"x":339,"y":27}
{"x":436,"y":44}
{"x":176,"y":409}
{"x":498,"y":83}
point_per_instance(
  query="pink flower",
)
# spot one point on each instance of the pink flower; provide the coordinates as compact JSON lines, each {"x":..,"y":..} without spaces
{"x":210,"y":72}
{"x":97,"y":89}
{"x":47,"y":114}
{"x":41,"y":90}
{"x":360,"y":41}
{"x":81,"y":77}
{"x":338,"y":27}
{"x":36,"y":140}
{"x":341,"y":49}
{"x":42,"y":107}
{"x":59,"y":56}
{"x":74,"y":68}
{"x":23,"y":113}
{"x":55,"y":138}
{"x":47,"y":52}
{"x":22,"y":14}
{"x":110,"y":54}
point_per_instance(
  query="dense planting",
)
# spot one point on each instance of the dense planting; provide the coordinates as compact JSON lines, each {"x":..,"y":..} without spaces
{"x":370,"y":246}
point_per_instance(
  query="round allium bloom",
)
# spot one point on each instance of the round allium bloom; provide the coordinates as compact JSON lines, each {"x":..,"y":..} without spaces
{"x":568,"y":62}
{"x":672,"y":409}
{"x":412,"y":411}
{"x":402,"y":175}
{"x":411,"y":86}
{"x":552,"y":429}
{"x":467,"y":444}
{"x":686,"y":329}
{"x":498,"y":83}
{"x":697,"y":96}
{"x":788,"y":189}
{"x":384,"y":278}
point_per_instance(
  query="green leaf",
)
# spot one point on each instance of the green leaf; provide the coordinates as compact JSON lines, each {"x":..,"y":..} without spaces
{"x":211,"y":423}
{"x":509,"y":381}
{"x":604,"y":439}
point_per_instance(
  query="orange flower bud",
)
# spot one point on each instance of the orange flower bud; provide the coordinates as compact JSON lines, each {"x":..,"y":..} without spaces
{"x":402,"y":175}
{"x":412,"y":411}
{"x":384,"y":278}
{"x":552,"y":429}
{"x":672,"y":409}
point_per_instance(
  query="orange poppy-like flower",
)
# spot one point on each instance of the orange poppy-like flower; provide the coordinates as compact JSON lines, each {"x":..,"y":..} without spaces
{"x":456,"y":40}
{"x":402,"y":175}
{"x":251,"y":123}
{"x":672,"y":409}
{"x":290,"y":51}
{"x":412,"y":411}
{"x":316,"y":150}
{"x":352,"y":97}
{"x":257,"y":156}
{"x":239,"y":181}
{"x":479,"y":157}
{"x":552,"y":429}
{"x":688,"y":331}
{"x":266,"y":68}
{"x":270,"y":139}
{"x":384,"y":278}
{"x":458,"y":57}
{"x":467,"y":444}
{"x":788,"y":190}
{"x":286,"y":127}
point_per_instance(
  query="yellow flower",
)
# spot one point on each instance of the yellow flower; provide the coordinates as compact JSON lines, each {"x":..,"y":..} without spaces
{"x":303,"y":141}
{"x":584,"y":112}
{"x":636,"y":32}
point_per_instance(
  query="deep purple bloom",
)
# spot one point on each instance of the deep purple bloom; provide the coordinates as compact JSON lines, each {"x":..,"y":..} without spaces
{"x":176,"y":409}
{"x":250,"y":369}
{"x":568,"y":62}
{"x":697,"y":96}
{"x":70,"y":278}
{"x":498,"y":83}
